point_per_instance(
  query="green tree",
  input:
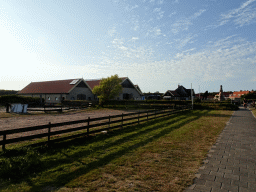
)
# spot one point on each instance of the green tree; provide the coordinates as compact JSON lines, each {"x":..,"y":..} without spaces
{"x":205,"y":95}
{"x":251,"y":95}
{"x":108,"y":89}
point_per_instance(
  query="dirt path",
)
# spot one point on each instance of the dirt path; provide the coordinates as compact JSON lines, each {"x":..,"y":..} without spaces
{"x":28,"y":121}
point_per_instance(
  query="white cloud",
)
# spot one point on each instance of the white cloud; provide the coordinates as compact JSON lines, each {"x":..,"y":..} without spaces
{"x":131,"y":8}
{"x":112,"y":31}
{"x":154,"y":32}
{"x":225,"y":60}
{"x":160,"y":2}
{"x":183,"y":42}
{"x":244,"y":15}
{"x":159,"y":13}
{"x":183,"y":24}
{"x":135,"y":38}
{"x":173,"y":13}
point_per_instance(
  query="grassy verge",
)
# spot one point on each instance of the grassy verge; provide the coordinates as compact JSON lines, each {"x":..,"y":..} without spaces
{"x":254,"y":111}
{"x":162,"y":155}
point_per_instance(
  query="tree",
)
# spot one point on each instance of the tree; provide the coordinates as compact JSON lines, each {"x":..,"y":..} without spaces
{"x":250,"y":95}
{"x":205,"y":95}
{"x":108,"y":89}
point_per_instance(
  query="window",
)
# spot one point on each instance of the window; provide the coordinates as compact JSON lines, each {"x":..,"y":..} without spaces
{"x":81,"y":97}
{"x":56,"y":98}
{"x":49,"y":98}
{"x":72,"y":98}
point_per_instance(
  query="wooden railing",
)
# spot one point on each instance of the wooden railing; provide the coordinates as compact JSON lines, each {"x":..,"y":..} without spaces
{"x":138,"y":116}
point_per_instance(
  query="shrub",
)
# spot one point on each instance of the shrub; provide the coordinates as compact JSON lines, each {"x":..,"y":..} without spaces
{"x":217,"y":106}
{"x":19,"y":99}
{"x":16,"y":166}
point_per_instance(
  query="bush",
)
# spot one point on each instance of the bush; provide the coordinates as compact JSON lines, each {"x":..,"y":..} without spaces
{"x":19,"y":99}
{"x":16,"y":166}
{"x":217,"y":106}
{"x":197,"y":100}
{"x":137,"y":102}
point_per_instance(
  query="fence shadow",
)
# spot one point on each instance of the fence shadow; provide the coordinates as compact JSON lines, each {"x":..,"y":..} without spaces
{"x":160,"y":125}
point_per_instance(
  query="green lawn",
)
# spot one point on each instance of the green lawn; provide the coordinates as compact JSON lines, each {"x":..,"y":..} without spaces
{"x":161,"y":155}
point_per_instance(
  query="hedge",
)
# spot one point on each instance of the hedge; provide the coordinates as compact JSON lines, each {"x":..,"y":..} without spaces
{"x":19,"y":99}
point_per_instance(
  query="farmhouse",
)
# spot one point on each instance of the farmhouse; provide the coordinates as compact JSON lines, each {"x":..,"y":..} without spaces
{"x":181,"y":93}
{"x":75,"y":89}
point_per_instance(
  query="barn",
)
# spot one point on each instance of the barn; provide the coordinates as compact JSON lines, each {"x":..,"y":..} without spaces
{"x":75,"y":89}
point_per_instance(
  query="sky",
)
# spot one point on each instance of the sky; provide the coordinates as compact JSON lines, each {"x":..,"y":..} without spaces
{"x":158,"y":44}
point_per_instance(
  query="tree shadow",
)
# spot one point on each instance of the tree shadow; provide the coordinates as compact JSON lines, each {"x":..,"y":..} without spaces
{"x":136,"y":131}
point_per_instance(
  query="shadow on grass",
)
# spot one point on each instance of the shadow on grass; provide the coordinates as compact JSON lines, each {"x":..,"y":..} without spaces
{"x":135,"y":131}
{"x":217,"y":115}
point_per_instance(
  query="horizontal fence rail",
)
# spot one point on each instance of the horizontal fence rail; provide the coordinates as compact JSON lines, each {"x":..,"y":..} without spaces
{"x":122,"y":121}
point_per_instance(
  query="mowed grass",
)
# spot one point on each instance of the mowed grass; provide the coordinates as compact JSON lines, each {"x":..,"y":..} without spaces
{"x":161,"y":155}
{"x":253,"y":111}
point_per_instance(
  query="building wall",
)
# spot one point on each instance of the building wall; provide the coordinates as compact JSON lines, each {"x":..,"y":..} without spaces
{"x":81,"y":90}
{"x":133,"y":91}
{"x":46,"y":97}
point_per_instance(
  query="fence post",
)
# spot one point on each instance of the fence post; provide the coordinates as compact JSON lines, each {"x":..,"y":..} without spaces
{"x":49,"y":133}
{"x":155,"y":113}
{"x":4,"y":139}
{"x":147,"y":115}
{"x":88,"y":125}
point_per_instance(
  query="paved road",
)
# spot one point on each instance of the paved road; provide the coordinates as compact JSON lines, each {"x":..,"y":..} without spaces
{"x":231,"y":162}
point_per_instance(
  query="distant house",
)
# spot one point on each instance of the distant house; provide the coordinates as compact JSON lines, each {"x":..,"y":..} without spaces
{"x":75,"y":89}
{"x":225,"y":95}
{"x":181,"y":93}
{"x":237,"y":95}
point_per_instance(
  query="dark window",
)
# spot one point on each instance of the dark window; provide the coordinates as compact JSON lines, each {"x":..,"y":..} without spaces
{"x":81,"y":97}
{"x":126,"y":96}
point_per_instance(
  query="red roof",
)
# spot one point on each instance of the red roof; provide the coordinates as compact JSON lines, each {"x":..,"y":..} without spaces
{"x":60,"y":86}
{"x":225,"y":94}
{"x":93,"y":83}
{"x":238,"y":94}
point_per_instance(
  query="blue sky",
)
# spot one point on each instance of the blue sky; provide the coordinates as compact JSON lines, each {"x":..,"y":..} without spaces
{"x":158,"y":44}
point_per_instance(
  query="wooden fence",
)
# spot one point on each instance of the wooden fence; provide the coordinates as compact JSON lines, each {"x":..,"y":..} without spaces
{"x":89,"y":128}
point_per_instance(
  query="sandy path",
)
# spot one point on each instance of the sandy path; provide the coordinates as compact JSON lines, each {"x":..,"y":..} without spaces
{"x":28,"y":121}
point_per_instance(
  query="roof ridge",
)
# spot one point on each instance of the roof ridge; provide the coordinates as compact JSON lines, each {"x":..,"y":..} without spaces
{"x":55,"y":80}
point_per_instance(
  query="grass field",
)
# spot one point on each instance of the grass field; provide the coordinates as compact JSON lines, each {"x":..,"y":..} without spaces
{"x":161,"y":155}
